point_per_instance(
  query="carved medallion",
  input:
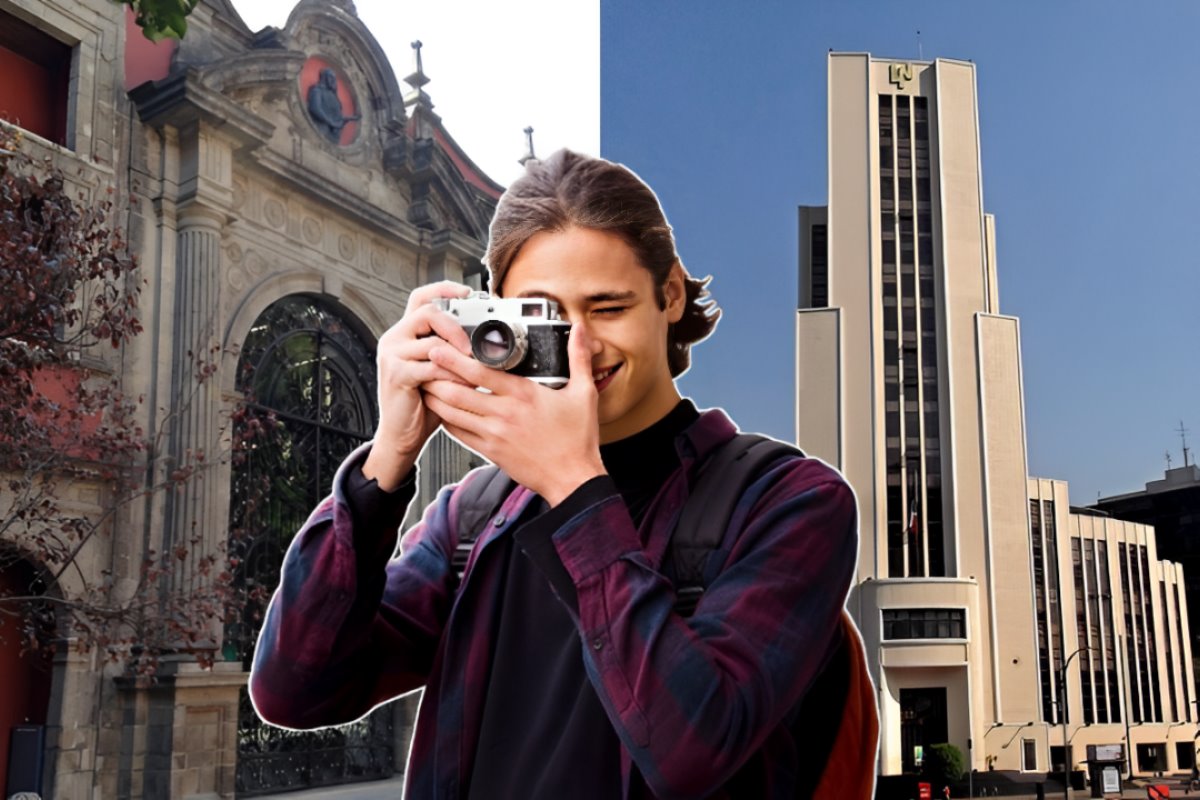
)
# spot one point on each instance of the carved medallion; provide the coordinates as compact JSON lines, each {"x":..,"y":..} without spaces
{"x":346,"y":247}
{"x":312,"y":230}
{"x":274,"y":213}
{"x":329,"y":101}
{"x":378,"y":260}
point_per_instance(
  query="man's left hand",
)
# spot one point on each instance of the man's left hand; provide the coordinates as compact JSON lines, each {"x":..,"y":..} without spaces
{"x":546,"y":440}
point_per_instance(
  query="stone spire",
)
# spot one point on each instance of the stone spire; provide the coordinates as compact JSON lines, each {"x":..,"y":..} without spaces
{"x":417,"y":80}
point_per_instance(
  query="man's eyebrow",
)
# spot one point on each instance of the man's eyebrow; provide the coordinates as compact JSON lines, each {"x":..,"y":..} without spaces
{"x":599,"y":297}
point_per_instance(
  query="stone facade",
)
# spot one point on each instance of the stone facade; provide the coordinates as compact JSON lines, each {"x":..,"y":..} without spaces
{"x":238,"y":199}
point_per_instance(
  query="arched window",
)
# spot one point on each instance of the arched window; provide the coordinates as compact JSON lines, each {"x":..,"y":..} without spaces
{"x":304,"y":364}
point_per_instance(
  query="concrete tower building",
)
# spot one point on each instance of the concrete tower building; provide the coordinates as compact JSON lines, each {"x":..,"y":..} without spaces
{"x":909,"y":381}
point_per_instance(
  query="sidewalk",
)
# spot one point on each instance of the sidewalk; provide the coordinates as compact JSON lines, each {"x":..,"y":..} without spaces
{"x":389,"y":789}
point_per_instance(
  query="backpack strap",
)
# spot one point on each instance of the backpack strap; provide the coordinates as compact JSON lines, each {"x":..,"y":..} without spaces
{"x":723,"y":478}
{"x":476,"y":505}
{"x":720,"y":483}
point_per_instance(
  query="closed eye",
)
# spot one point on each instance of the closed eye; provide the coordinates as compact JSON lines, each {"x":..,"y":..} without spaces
{"x":611,"y":310}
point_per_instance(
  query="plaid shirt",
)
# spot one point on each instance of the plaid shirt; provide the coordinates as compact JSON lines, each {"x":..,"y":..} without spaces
{"x":692,"y":700}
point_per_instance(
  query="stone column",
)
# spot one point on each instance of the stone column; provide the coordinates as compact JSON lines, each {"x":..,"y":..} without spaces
{"x":194,"y":520}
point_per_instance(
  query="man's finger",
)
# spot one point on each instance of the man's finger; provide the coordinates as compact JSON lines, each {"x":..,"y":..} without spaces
{"x":473,"y":372}
{"x":423,"y":294}
{"x":429,"y":321}
{"x":580,"y":346}
{"x":473,"y":423}
{"x":461,"y":396}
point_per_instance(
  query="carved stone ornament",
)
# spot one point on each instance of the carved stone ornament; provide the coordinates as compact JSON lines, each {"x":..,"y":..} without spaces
{"x":329,"y":101}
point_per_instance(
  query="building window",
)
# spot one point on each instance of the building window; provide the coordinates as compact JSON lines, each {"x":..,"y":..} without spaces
{"x":37,"y":75}
{"x":1029,"y":755}
{"x":820,"y":267}
{"x":924,"y":623}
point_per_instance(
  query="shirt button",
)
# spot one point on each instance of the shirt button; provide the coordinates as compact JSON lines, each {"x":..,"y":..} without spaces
{"x":597,"y":644}
{"x":498,"y":521}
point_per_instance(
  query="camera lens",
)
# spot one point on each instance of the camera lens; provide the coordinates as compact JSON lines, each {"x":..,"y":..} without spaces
{"x":498,"y":344}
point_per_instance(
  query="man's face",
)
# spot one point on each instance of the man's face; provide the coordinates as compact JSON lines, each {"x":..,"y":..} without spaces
{"x":597,"y":281}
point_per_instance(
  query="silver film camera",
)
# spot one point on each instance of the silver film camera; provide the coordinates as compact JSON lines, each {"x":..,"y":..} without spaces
{"x":523,"y":336}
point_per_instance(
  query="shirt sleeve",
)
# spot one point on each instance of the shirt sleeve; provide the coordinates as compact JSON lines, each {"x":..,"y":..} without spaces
{"x":349,"y":626}
{"x":693,"y":698}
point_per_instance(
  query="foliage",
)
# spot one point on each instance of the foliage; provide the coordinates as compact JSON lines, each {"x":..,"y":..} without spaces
{"x":162,"y":19}
{"x":944,"y":763}
{"x":71,"y":291}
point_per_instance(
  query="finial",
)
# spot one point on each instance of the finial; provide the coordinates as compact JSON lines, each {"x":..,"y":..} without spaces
{"x":529,"y":156}
{"x":418,"y":78}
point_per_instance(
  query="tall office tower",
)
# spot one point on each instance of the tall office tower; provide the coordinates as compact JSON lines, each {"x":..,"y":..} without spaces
{"x":909,"y":381}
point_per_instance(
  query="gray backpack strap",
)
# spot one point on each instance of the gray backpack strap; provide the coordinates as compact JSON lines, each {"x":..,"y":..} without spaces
{"x":722,"y":480}
{"x":476,"y":506}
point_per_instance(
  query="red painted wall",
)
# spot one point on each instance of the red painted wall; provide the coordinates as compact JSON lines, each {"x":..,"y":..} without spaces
{"x":34,"y":96}
{"x":144,"y":60}
{"x":25,"y":697}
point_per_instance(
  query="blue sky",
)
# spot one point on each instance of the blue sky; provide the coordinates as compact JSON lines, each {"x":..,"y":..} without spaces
{"x":1090,"y":118}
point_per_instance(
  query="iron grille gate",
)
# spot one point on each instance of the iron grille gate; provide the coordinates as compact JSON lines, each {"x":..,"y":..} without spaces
{"x":302,"y":364}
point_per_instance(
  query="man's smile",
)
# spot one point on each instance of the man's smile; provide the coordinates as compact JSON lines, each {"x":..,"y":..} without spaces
{"x":604,"y":377}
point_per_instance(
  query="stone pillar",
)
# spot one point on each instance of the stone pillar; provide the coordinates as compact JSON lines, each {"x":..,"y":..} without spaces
{"x":195,"y":521}
{"x":196,"y":514}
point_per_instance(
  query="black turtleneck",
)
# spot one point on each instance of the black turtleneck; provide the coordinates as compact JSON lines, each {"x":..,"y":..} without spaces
{"x":544,"y":733}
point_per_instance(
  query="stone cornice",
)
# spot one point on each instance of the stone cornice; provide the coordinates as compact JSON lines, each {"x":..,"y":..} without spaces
{"x":184,"y":98}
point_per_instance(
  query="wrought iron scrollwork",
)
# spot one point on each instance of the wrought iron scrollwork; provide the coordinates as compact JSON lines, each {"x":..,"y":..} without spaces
{"x":304,"y":367}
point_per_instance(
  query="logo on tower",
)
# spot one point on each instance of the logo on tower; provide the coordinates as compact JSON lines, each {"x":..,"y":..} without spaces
{"x":900,"y":74}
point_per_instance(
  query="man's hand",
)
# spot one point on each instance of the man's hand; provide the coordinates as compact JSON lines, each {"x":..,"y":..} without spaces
{"x":546,"y":440}
{"x":405,"y":422}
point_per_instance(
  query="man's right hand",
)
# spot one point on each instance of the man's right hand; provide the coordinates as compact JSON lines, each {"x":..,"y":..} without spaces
{"x":405,"y":422}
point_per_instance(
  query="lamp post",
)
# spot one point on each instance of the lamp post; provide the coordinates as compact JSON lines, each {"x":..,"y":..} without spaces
{"x":1062,"y":693}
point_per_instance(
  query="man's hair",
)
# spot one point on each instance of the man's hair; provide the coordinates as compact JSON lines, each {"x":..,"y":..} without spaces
{"x":569,"y":189}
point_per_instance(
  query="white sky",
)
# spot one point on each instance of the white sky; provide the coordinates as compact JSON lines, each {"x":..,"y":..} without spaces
{"x":494,"y":67}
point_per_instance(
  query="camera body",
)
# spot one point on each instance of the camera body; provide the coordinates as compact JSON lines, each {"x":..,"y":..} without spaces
{"x":520,"y":335}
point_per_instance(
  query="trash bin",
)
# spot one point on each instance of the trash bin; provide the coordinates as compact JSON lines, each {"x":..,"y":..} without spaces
{"x":1078,"y":779}
{"x":25,"y":750}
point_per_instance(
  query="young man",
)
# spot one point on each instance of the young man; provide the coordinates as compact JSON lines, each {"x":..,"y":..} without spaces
{"x":559,"y":667}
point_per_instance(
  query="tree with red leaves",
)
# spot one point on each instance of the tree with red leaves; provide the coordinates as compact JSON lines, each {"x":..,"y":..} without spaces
{"x":69,"y":290}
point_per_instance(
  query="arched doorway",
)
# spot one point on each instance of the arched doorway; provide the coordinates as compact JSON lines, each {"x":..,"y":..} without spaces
{"x":305,"y":363}
{"x":25,"y":677}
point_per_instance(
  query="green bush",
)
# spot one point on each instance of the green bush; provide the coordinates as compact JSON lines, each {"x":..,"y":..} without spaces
{"x":943,"y":763}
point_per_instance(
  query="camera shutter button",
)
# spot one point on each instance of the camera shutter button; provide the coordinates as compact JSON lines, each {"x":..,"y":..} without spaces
{"x":498,"y":521}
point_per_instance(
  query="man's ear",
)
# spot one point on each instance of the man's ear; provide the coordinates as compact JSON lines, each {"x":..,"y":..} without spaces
{"x":675,"y":292}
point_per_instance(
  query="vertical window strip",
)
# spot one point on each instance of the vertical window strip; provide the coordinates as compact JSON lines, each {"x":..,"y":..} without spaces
{"x":1166,"y":620}
{"x":1037,"y":543}
{"x":1057,"y":625}
{"x":1111,"y":657}
{"x":896,"y":512}
{"x":1188,"y":704}
{"x":1132,"y":665}
{"x":1150,"y":648}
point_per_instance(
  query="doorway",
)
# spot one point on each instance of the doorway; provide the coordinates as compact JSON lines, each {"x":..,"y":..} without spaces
{"x":922,"y":723}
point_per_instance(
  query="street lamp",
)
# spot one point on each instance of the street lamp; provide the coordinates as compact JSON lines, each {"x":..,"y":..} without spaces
{"x":1062,"y":693}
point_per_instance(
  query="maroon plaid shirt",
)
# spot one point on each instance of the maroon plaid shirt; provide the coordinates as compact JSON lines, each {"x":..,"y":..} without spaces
{"x":692,"y":700}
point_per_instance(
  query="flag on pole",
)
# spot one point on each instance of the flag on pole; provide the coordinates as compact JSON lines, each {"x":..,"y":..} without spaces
{"x":914,"y":520}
